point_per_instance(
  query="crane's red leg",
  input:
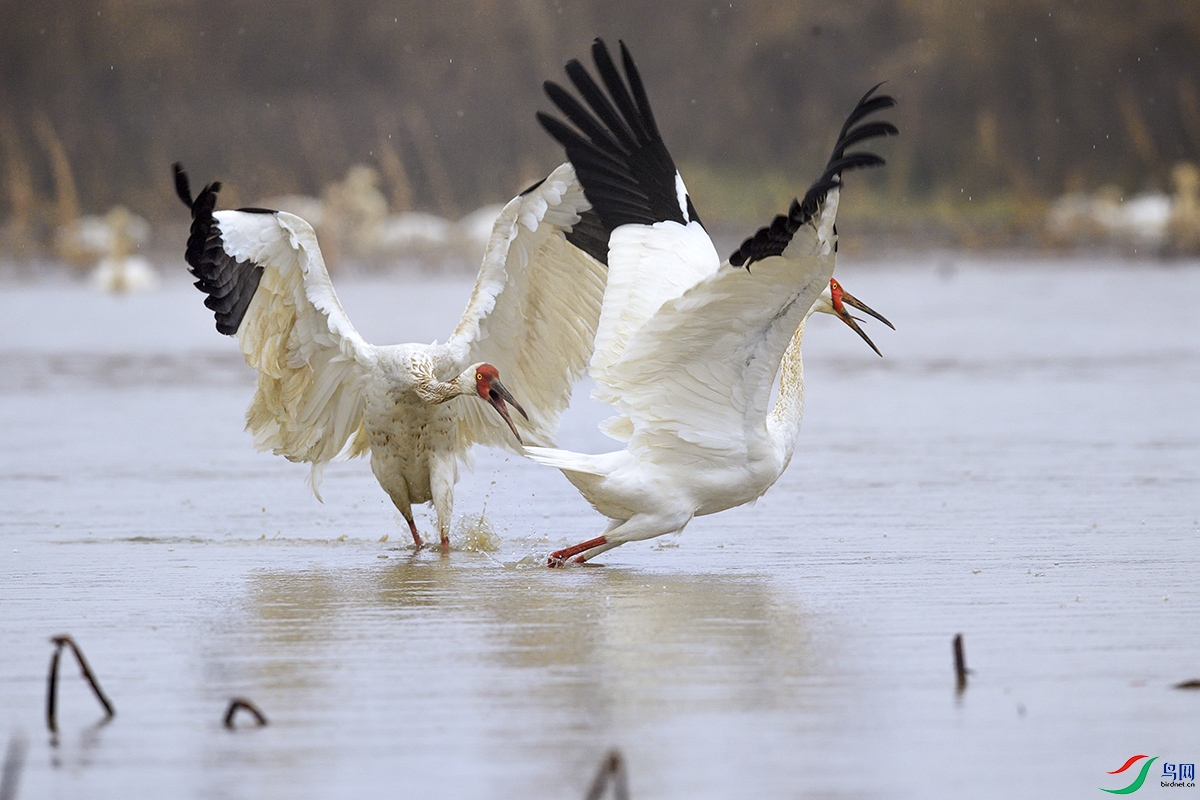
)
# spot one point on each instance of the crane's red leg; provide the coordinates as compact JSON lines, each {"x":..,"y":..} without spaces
{"x":412,"y":526}
{"x":559,"y":556}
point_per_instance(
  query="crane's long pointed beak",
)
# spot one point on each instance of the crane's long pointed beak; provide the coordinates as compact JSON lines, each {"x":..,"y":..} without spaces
{"x":854,"y":302}
{"x":498,"y":396}
{"x":849,"y":320}
{"x":841,"y":299}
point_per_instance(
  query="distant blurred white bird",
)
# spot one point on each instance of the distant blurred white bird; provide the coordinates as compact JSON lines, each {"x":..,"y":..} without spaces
{"x":120,"y":274}
{"x":324,"y":392}
{"x":1150,"y":222}
{"x":414,"y":233}
{"x":1139,"y":222}
{"x":687,"y":348}
{"x":433,"y":240}
{"x":109,"y":242}
{"x":119,"y":270}
{"x":472,"y":231}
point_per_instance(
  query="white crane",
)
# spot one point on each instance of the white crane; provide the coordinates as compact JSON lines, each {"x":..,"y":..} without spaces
{"x":688,"y":348}
{"x":111,"y":241}
{"x":324,"y":392}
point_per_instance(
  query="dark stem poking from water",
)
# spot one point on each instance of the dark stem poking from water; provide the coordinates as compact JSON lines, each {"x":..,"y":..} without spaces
{"x":612,"y":768}
{"x":241,"y":702}
{"x":960,"y":664}
{"x":52,"y":683}
{"x":14,"y":762}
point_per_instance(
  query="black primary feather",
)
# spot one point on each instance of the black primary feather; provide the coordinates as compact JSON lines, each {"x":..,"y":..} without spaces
{"x":182,"y":187}
{"x":230,"y":284}
{"x":590,"y":236}
{"x":620,"y":159}
{"x":774,"y":238}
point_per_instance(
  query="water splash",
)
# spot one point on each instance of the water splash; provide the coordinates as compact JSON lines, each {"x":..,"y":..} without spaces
{"x":477,"y":533}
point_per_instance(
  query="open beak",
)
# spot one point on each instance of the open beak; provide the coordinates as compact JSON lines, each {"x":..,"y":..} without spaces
{"x":844,"y":315}
{"x":854,"y":302}
{"x":498,"y":396}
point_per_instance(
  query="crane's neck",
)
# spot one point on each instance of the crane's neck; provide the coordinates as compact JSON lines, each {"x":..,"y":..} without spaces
{"x":783,"y":423}
{"x":433,"y":391}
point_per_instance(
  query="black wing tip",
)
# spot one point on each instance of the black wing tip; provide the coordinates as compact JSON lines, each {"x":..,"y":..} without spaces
{"x":182,"y":187}
{"x":204,"y":203}
{"x":875,"y":89}
{"x":881,"y":101}
{"x":610,"y":136}
{"x":229,"y":284}
{"x":773,"y":239}
{"x":558,"y":130}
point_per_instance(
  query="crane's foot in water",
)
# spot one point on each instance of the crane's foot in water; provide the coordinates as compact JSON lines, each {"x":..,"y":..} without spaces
{"x":412,"y":526}
{"x":557,"y":558}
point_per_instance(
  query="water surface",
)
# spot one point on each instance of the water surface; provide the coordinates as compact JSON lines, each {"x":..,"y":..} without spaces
{"x":1023,"y":467}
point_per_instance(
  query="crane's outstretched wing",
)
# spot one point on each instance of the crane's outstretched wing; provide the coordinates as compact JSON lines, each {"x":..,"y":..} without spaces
{"x":698,"y":375}
{"x":657,"y":246}
{"x":535,"y":307}
{"x":266,"y":283}
{"x":802,"y":216}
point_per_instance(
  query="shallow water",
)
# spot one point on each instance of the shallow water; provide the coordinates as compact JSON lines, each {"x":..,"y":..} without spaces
{"x":1023,"y":467}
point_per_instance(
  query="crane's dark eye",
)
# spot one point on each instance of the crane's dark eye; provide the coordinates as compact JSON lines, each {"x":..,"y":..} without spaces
{"x":478,"y":376}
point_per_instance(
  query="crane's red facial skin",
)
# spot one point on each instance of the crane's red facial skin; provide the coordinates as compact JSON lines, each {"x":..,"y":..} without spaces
{"x":835,"y":289}
{"x":484,"y":376}
{"x":489,"y":387}
{"x":840,"y":298}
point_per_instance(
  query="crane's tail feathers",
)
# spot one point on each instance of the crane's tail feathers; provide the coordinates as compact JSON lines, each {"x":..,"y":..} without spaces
{"x":565,"y":460}
{"x":773,"y":239}
{"x":585,"y":472}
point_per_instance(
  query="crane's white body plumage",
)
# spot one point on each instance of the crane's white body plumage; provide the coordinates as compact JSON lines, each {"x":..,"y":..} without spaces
{"x":688,"y":347}
{"x":692,"y":385}
{"x":325,"y":393}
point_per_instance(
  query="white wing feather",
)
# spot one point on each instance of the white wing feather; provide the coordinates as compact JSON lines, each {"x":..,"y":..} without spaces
{"x":648,"y":265}
{"x":311,"y":362}
{"x":533,"y":312}
{"x":687,"y":386}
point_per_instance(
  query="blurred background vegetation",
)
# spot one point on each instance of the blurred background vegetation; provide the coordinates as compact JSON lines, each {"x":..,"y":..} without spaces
{"x":1004,"y":104}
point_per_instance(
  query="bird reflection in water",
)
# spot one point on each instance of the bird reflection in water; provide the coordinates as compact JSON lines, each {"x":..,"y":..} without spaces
{"x":599,"y":638}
